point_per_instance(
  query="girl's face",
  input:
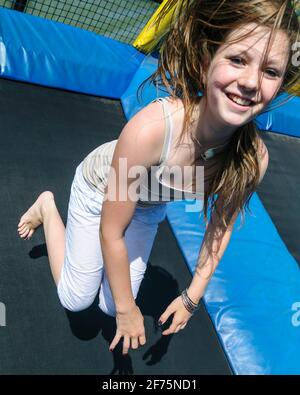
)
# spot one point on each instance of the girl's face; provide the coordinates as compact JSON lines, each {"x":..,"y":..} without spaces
{"x":236,"y":70}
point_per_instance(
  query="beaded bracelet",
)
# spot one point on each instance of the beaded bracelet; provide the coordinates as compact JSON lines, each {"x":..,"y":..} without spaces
{"x":188,"y":303}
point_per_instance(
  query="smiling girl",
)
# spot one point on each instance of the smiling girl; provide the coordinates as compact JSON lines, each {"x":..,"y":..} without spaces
{"x":222,"y":62}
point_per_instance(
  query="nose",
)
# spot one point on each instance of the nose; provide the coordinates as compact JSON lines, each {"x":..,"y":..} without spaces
{"x":248,"y":79}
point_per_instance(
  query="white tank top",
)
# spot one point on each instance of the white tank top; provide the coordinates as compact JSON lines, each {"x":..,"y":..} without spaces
{"x":153,"y":189}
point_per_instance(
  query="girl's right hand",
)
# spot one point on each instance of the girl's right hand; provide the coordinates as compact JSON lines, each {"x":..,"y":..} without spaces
{"x":130,"y":325}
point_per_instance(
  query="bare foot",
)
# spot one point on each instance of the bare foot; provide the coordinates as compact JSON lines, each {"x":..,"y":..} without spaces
{"x":33,"y":217}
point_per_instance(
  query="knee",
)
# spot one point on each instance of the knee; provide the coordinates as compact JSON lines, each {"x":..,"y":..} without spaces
{"x":73,"y":303}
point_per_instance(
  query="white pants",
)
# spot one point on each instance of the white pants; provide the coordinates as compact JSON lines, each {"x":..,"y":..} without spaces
{"x":83,"y":271}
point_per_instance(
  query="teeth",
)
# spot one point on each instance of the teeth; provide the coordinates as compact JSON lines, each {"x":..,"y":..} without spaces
{"x":238,"y":100}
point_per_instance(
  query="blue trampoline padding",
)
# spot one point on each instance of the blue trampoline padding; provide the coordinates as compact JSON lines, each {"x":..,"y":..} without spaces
{"x":285,"y":119}
{"x":37,"y":50}
{"x":133,"y":101}
{"x":253,"y":296}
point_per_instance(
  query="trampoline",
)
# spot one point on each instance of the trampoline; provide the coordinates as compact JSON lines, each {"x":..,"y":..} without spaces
{"x":46,"y":133}
{"x":60,"y":100}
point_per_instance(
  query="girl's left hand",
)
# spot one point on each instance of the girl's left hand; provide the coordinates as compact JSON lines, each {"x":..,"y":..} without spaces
{"x":180,"y":318}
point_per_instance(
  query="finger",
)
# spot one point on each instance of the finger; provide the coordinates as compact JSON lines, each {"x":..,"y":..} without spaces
{"x":126,"y":344}
{"x":163,"y":318}
{"x":114,"y":342}
{"x":177,"y":329}
{"x":134,"y":343}
{"x":184,"y":325}
{"x":142,"y":340}
{"x":21,"y":227}
{"x":171,"y":329}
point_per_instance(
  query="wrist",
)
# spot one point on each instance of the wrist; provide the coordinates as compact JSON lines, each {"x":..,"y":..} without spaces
{"x":188,"y":303}
{"x":125,"y":308}
{"x":196,"y":288}
{"x":194,"y":295}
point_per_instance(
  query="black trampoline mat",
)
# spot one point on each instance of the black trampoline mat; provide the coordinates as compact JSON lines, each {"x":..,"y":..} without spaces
{"x":45,"y":134}
{"x":280,"y":188}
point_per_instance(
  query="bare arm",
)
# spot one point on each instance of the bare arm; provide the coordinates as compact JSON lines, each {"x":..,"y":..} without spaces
{"x":215,"y":243}
{"x":140,"y":143}
{"x":212,"y":250}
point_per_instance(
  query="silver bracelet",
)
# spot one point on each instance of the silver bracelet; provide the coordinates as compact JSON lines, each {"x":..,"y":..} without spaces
{"x":188,"y":303}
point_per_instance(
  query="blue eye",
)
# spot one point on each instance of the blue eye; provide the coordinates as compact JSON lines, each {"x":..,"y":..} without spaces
{"x":237,"y":60}
{"x":272,"y":73}
{"x":240,"y":61}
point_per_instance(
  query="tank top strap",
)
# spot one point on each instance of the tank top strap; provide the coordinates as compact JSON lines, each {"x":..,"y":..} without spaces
{"x":168,"y":131}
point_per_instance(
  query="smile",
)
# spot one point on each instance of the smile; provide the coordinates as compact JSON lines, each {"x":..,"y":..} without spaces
{"x":239,"y":103}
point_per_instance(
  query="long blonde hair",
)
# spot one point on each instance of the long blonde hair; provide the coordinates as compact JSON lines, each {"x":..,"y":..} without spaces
{"x":197,"y":30}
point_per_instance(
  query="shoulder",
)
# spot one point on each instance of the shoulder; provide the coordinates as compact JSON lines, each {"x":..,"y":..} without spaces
{"x":143,"y":135}
{"x":263,"y":158}
{"x":175,"y":106}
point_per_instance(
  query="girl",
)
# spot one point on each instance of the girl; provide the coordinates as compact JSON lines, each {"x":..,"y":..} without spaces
{"x":239,"y":56}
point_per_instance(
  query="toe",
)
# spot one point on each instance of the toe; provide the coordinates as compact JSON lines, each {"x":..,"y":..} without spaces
{"x":30,"y":234}
{"x":24,"y":233}
{"x":22,"y":227}
{"x":22,"y":222}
